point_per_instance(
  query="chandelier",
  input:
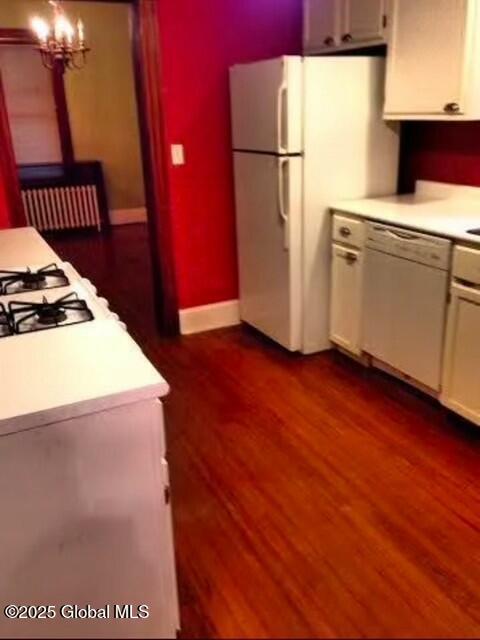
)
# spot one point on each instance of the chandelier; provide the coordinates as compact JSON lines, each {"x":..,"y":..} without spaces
{"x":61,"y":45}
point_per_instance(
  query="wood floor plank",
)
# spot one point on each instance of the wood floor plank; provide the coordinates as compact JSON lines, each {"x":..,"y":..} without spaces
{"x":312,"y":498}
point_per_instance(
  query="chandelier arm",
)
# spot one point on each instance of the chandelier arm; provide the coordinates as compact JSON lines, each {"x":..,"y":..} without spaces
{"x":83,"y":59}
{"x":47,"y":60}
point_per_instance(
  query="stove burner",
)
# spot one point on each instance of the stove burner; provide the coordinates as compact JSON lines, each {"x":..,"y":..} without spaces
{"x":33,"y":280}
{"x":49,"y":277}
{"x":5,"y":325}
{"x":49,"y":314}
{"x":27,"y":317}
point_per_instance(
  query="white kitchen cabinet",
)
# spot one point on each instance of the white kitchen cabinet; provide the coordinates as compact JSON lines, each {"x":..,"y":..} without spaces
{"x":89,"y":522}
{"x":461,"y":386}
{"x":346,"y":298}
{"x":343,"y":24}
{"x":432,"y":67}
{"x":322,"y":22}
{"x":461,"y":382}
{"x":364,"y":22}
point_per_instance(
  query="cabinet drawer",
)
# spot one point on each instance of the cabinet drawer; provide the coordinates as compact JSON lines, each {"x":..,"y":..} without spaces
{"x":348,"y":231}
{"x":466,"y":264}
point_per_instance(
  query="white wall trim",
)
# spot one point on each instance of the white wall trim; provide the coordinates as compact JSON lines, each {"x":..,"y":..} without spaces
{"x":128,"y":216}
{"x":210,"y":316}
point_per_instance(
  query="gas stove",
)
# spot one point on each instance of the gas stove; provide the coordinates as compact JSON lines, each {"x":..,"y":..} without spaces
{"x":5,"y":323}
{"x":38,"y":279}
{"x":38,"y":310}
{"x":27,"y":317}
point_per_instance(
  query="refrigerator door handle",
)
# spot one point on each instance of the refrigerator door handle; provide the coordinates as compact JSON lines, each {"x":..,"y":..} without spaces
{"x":281,"y":101}
{"x":282,"y":210}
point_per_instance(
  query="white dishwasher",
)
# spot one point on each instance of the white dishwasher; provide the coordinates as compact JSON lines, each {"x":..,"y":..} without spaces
{"x":406,"y":288}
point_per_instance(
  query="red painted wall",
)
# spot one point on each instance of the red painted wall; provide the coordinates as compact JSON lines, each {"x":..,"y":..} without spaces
{"x":201,"y":39}
{"x":444,"y":151}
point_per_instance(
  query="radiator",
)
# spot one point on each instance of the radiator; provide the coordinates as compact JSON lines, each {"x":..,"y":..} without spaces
{"x":62,"y":207}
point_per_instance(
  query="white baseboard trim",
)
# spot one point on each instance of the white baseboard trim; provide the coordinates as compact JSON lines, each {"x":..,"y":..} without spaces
{"x":128,"y":216}
{"x":210,"y":316}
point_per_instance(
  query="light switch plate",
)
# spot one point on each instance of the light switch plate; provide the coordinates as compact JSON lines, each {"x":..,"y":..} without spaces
{"x":178,"y":155}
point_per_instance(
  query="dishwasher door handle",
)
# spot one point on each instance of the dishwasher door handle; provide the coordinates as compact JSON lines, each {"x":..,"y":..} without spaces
{"x":404,"y":235}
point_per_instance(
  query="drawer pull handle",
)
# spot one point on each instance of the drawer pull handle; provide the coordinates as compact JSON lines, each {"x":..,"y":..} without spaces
{"x":345,"y":232}
{"x":351,"y":258}
{"x":451,"y":107}
{"x":329,"y":41}
{"x":347,"y":37}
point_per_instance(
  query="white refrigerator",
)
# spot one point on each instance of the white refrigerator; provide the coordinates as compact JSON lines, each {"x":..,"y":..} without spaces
{"x":306,"y":132}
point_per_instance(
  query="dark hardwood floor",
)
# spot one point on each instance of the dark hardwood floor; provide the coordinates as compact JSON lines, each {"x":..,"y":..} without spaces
{"x":312,"y":498}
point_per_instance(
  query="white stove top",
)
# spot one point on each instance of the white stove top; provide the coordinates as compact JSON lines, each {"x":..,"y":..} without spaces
{"x":60,"y":372}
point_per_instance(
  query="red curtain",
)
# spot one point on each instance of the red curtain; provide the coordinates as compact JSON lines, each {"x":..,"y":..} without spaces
{"x":11,"y":208}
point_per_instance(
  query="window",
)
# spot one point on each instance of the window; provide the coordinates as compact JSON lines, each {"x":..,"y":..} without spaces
{"x":31,"y":106}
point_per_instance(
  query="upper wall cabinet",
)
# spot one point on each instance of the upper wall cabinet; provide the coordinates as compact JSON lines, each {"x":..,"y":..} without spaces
{"x":432,"y":70}
{"x":364,"y":22}
{"x":343,"y":24}
{"x":321,"y":25}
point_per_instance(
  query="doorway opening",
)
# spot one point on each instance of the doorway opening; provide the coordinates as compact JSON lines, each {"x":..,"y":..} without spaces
{"x":87,"y":148}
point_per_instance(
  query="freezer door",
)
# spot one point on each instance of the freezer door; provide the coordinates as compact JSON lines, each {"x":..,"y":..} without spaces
{"x":269,"y":207}
{"x":266,"y":99}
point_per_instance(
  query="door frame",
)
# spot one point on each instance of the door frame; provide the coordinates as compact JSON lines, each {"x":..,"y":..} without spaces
{"x":147,"y":62}
{"x":148,"y":71}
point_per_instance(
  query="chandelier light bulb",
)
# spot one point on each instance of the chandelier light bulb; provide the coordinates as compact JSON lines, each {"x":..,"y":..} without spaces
{"x":63,"y":28}
{"x":69,"y":31}
{"x":81,"y":32}
{"x":40,"y":28}
{"x":61,"y":44}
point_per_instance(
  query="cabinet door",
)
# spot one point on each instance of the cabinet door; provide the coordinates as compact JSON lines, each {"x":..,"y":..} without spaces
{"x":346,"y":298}
{"x":363,"y":21}
{"x":461,"y":382}
{"x":426,"y":60}
{"x":321,"y":24}
{"x":88,"y":512}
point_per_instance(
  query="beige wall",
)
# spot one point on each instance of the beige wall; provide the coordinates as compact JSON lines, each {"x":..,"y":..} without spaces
{"x":101,"y":97}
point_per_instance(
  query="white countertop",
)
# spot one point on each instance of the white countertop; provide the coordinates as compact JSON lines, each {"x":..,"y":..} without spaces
{"x":59,"y":374}
{"x":62,"y":373}
{"x":445,"y":211}
{"x":24,"y":246}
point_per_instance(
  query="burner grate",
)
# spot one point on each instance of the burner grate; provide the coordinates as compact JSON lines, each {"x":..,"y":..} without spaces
{"x":27,"y":317}
{"x":6,"y":328}
{"x":49,"y":277}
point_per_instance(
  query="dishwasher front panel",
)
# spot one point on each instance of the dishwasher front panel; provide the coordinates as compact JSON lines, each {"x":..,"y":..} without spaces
{"x":404,"y":315}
